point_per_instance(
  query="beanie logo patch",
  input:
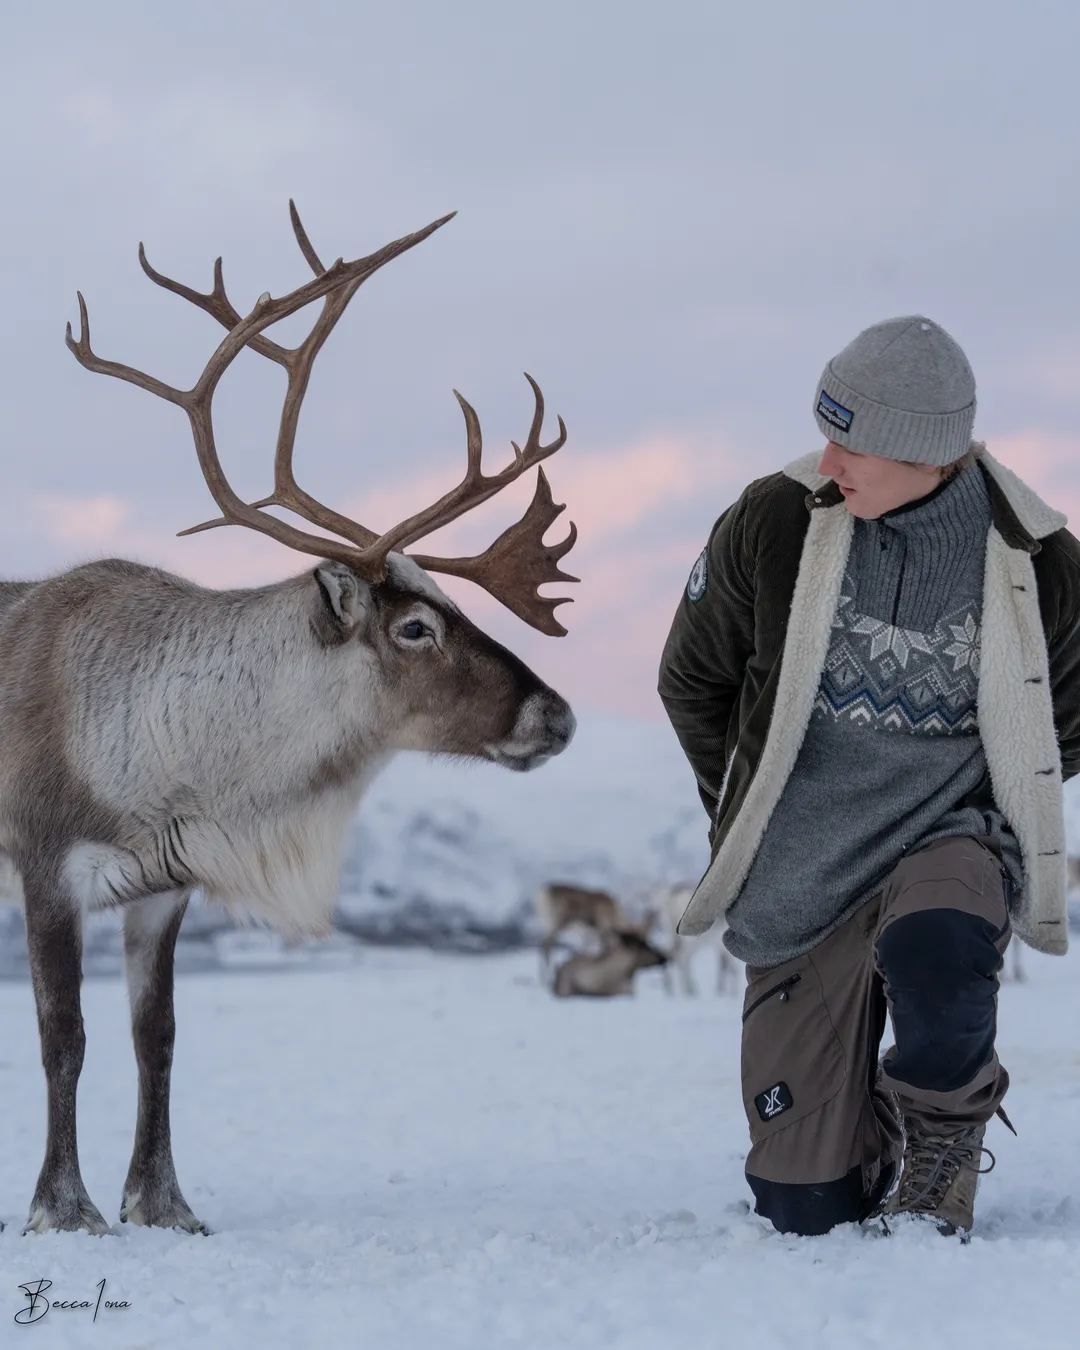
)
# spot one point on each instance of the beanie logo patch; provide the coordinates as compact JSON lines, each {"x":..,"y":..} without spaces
{"x":835,"y":413}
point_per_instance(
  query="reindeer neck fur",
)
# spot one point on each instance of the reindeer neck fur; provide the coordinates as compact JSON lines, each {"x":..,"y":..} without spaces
{"x":209,"y":738}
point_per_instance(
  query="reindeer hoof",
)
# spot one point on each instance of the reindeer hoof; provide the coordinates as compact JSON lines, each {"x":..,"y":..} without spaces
{"x":66,"y":1216}
{"x":167,"y":1209}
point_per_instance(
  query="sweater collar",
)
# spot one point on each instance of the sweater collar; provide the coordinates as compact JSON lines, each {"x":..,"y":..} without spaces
{"x":960,"y":504}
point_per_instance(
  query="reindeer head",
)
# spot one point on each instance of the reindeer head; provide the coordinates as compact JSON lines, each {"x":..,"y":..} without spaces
{"x":393,"y":639}
{"x":641,"y":951}
{"x":437,"y":681}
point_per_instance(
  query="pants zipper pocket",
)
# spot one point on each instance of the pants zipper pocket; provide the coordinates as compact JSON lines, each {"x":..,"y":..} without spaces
{"x":781,"y":989}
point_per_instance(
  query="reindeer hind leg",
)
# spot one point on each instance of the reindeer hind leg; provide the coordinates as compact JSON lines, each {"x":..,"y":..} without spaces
{"x":686,"y":969}
{"x":726,"y":972}
{"x":151,"y":1192}
{"x":547,"y":950}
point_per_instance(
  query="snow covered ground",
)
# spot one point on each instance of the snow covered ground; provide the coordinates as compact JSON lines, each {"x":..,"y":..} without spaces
{"x":424,"y":1150}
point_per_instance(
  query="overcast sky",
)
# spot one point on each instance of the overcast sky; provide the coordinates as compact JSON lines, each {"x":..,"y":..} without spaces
{"x":670,"y":215}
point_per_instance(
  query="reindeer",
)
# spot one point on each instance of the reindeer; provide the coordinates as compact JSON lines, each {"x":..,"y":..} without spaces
{"x":671,"y":902}
{"x":560,"y":907}
{"x":611,"y":971}
{"x":160,"y":737}
{"x":1015,"y":966}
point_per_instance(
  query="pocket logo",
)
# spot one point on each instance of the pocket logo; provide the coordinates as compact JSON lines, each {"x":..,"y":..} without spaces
{"x":774,"y":1101}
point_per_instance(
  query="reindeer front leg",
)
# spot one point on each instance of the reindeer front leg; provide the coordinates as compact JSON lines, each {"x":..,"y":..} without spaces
{"x":54,"y":940}
{"x":151,"y":1192}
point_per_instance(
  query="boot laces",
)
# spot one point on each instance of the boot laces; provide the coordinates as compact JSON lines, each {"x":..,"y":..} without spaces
{"x":932,"y":1163}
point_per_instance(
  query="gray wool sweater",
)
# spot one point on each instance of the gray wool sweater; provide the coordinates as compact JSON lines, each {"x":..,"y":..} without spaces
{"x":892,"y":758}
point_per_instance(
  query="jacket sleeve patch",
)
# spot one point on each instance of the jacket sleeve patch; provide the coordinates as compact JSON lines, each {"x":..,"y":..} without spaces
{"x":699,"y":578}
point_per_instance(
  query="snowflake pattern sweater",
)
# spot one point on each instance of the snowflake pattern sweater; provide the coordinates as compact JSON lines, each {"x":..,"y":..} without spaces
{"x":892,"y":758}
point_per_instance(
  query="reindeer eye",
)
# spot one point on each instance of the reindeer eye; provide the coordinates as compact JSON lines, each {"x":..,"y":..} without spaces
{"x":414,"y":630}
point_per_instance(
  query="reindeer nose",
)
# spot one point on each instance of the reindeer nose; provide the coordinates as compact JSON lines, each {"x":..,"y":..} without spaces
{"x":542,"y":728}
{"x":545,"y":724}
{"x":560,"y":722}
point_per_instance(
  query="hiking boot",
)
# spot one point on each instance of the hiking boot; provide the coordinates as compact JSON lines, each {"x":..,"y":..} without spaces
{"x":940,"y":1175}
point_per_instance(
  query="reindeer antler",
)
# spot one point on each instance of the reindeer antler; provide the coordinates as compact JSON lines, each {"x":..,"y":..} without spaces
{"x":518,"y":556}
{"x":514,"y":566}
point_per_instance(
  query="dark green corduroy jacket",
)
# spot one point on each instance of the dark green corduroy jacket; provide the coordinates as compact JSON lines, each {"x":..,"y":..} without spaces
{"x":731,"y":652}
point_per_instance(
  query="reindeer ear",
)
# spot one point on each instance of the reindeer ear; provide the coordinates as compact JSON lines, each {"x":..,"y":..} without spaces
{"x":342,"y":604}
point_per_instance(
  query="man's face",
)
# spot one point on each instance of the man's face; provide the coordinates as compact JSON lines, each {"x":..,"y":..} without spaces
{"x":873,"y":484}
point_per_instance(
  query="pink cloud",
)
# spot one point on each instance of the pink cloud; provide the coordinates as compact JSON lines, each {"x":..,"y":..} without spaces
{"x":633,"y":553}
{"x":88,"y":521}
{"x":607,"y":492}
{"x":1049,"y":462}
{"x":642,"y":511}
{"x":111,"y":526}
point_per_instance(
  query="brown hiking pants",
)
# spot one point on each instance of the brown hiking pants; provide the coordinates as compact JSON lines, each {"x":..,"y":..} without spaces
{"x":824,"y":1117}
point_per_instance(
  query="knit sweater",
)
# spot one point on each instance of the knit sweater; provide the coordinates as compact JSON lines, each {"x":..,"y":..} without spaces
{"x":892,"y":758}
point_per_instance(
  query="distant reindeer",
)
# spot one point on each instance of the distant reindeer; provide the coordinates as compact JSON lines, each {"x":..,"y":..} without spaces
{"x":560,"y":907}
{"x":609,"y":973}
{"x":159,"y":737}
{"x":671,"y":901}
{"x":1014,"y":970}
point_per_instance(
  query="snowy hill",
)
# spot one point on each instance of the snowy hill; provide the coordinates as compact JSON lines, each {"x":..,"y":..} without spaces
{"x":617,"y":810}
{"x":449,"y":854}
{"x":458,"y":848}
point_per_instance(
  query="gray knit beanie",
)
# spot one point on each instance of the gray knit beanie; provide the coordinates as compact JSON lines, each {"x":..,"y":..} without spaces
{"x":902,"y":389}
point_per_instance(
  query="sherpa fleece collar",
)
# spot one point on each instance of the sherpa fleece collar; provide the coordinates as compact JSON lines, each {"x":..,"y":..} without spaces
{"x":1020,"y":514}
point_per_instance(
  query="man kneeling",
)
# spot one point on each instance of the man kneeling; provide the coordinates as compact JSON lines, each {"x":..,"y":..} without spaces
{"x":875,"y":675}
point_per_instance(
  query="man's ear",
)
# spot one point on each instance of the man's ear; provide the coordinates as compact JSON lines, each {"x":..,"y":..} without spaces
{"x":343,"y":603}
